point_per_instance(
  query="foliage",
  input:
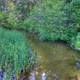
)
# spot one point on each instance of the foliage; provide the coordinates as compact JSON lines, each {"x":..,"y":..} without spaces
{"x":14,"y":12}
{"x":76,"y":12}
{"x":43,"y":17}
{"x":49,"y":20}
{"x":12,"y":21}
{"x":22,"y":8}
{"x":76,"y":41}
{"x":8,"y":16}
{"x":9,"y":20}
{"x":14,"y":52}
{"x":2,"y":19}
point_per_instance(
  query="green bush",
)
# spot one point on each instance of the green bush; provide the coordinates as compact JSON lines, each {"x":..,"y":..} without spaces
{"x":14,"y":12}
{"x":45,"y":18}
{"x":75,"y":12}
{"x":12,"y":20}
{"x":49,"y":20}
{"x":76,"y":41}
{"x":8,"y":20}
{"x":3,"y":17}
{"x":15,"y":52}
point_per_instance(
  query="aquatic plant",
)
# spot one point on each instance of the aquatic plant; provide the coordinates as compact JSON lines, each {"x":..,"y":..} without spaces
{"x":14,"y":53}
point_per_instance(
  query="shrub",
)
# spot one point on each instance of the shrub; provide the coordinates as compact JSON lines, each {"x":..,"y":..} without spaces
{"x":15,"y":12}
{"x":75,"y":12}
{"x":9,"y":20}
{"x":45,"y":18}
{"x":76,"y":41}
{"x":3,"y":17}
{"x":14,"y":52}
{"x":12,"y":20}
{"x":49,"y":20}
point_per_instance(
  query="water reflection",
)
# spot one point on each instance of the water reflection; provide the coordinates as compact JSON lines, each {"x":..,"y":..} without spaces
{"x":1,"y":74}
{"x":55,"y":77}
{"x":32,"y":76}
{"x":57,"y":60}
{"x":43,"y":76}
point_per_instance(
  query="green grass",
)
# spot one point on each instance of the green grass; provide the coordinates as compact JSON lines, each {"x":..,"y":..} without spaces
{"x":15,"y":53}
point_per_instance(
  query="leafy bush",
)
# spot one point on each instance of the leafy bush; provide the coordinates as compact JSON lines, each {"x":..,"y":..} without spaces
{"x":44,"y":17}
{"x":3,"y":17}
{"x":12,"y":20}
{"x":9,"y":20}
{"x":15,"y":54}
{"x":75,"y":12}
{"x":14,"y":12}
{"x":76,"y":41}
{"x":49,"y":20}
{"x":8,"y":16}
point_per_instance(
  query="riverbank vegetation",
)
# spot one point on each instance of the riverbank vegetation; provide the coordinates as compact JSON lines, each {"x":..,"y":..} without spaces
{"x":48,"y":20}
{"x":15,"y":52}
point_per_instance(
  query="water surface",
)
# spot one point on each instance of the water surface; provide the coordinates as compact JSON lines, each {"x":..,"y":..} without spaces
{"x":55,"y":58}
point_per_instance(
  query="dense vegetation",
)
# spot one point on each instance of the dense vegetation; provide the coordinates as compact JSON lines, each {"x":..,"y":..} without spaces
{"x":15,"y":52}
{"x":47,"y":19}
{"x":50,"y":21}
{"x":44,"y":18}
{"x":55,"y":20}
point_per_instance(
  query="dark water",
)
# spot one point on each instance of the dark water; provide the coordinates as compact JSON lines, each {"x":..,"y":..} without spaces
{"x":57,"y":60}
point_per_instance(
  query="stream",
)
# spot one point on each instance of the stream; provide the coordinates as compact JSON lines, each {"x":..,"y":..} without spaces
{"x":56,"y":60}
